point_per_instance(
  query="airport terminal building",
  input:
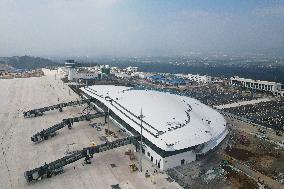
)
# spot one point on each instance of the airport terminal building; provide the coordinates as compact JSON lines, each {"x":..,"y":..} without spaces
{"x":175,"y":129}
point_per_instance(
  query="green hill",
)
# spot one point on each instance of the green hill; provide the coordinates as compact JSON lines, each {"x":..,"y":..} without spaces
{"x":27,"y":62}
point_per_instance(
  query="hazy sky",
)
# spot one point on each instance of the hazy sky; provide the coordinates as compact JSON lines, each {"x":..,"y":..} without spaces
{"x":138,"y":27}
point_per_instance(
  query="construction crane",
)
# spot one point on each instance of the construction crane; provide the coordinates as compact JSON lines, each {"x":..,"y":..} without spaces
{"x":51,"y":131}
{"x":60,"y":106}
{"x":56,"y":167}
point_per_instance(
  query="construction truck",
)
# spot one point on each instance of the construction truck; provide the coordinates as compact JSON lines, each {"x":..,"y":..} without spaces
{"x":227,"y":159}
{"x":278,"y":133}
{"x":242,"y":138}
{"x":261,"y":131}
{"x":133,"y":167}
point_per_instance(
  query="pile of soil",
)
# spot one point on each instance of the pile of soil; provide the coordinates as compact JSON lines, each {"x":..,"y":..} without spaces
{"x":240,"y":154}
{"x":239,"y":180}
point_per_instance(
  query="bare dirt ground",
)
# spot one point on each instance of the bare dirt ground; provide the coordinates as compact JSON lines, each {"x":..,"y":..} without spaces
{"x":238,"y":179}
{"x":259,"y":154}
{"x":19,"y":153}
{"x":254,"y":158}
{"x":205,"y":173}
{"x":252,"y":129}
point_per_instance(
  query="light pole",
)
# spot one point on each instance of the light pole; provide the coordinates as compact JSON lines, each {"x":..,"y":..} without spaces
{"x":141,"y":136}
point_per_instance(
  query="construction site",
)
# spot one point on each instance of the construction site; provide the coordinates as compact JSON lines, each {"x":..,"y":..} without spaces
{"x":53,"y":137}
{"x":28,"y":144}
{"x":245,"y":159}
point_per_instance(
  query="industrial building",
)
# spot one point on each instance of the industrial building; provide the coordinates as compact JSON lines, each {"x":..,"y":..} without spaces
{"x":272,"y":87}
{"x":175,"y":129}
{"x":200,"y":78}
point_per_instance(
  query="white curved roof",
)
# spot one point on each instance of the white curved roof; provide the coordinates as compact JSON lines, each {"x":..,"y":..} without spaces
{"x":182,"y":121}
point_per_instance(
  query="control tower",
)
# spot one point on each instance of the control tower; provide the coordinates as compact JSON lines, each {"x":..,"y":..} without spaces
{"x":71,"y":67}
